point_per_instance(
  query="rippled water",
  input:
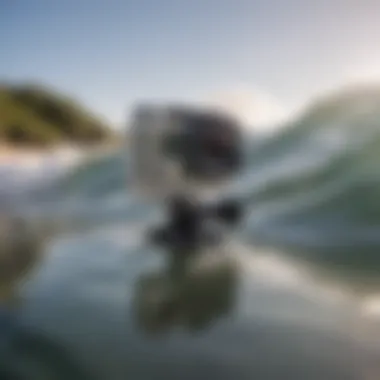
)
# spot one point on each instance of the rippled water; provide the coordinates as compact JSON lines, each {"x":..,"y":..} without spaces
{"x":292,"y":295}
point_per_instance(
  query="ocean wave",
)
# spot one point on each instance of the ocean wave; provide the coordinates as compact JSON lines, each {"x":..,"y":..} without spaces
{"x":314,"y":184}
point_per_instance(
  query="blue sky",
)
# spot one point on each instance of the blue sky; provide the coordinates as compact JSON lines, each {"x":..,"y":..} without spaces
{"x":110,"y":54}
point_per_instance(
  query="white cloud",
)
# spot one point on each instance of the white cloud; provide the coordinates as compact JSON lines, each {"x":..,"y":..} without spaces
{"x":257,"y":110}
{"x":362,"y":74}
{"x":351,"y":76}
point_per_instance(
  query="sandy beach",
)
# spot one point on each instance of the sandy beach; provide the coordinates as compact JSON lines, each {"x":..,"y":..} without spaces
{"x":12,"y":155}
{"x":16,"y":155}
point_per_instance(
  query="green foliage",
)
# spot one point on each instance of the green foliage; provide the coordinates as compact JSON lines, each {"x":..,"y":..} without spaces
{"x":34,"y":115}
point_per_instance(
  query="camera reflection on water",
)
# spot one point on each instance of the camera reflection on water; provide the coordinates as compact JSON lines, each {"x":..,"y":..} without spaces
{"x":185,"y":294}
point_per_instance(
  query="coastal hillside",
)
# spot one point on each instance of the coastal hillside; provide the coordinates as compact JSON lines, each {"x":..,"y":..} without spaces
{"x":37,"y":116}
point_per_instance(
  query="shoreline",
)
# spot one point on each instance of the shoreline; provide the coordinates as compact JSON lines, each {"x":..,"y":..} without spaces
{"x":10,"y":154}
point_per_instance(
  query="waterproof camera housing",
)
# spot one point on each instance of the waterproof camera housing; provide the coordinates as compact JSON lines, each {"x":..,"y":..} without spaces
{"x":181,"y":156}
{"x":180,"y":150}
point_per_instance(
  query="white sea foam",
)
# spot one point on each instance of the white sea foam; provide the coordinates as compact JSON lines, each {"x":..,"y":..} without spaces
{"x":21,"y":173}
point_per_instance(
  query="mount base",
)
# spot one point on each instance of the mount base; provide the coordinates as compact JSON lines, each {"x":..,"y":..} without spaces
{"x":192,"y":225}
